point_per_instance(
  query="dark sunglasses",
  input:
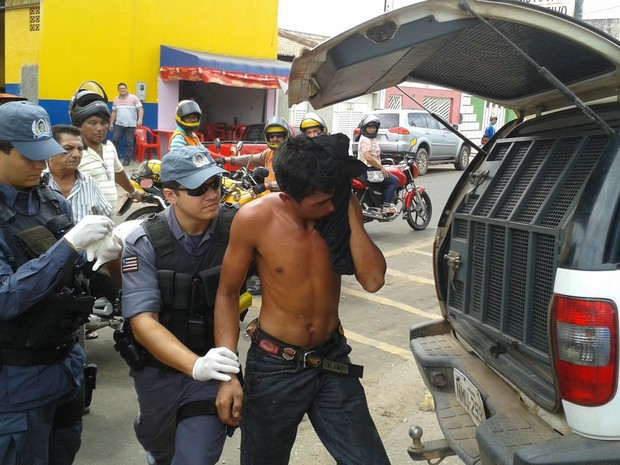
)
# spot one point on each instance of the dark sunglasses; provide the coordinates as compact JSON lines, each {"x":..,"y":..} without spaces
{"x":202,"y":189}
{"x":278,"y":135}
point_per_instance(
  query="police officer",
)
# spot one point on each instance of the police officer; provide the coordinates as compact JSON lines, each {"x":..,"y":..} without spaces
{"x":41,"y":377}
{"x":170,"y":270}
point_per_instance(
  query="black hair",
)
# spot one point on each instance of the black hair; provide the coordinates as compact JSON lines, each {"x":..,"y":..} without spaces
{"x":6,"y":146}
{"x":59,"y":129}
{"x":303,"y":167}
{"x":121,"y":84}
{"x":175,"y":186}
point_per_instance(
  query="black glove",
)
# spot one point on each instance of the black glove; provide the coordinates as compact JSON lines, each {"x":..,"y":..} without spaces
{"x":259,"y":188}
{"x":220,"y":161}
{"x":335,"y":228}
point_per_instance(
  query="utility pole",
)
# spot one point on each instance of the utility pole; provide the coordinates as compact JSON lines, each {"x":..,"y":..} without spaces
{"x":578,"y":9}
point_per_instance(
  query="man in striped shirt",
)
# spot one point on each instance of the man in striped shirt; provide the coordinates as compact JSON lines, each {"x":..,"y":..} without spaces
{"x":99,"y":159}
{"x":63,"y":175}
{"x":127,"y":114}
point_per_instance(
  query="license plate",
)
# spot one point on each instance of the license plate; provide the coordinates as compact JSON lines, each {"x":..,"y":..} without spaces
{"x":469,"y":397}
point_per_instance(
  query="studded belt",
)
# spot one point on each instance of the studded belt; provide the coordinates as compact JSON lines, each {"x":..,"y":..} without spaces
{"x":308,"y":358}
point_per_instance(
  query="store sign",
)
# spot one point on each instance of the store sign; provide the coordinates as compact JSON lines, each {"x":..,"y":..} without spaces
{"x":566,"y":7}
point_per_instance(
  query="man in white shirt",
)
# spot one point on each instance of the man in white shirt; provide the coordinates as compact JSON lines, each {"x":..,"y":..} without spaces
{"x":127,"y":114}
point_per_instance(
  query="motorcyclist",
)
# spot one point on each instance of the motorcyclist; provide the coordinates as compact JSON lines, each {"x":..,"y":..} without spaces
{"x":187,"y":116}
{"x":313,"y":125}
{"x":370,"y":153}
{"x":276,"y":131}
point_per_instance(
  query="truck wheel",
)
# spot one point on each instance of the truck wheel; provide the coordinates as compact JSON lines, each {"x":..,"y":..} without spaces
{"x":463,"y":159}
{"x":421,"y":159}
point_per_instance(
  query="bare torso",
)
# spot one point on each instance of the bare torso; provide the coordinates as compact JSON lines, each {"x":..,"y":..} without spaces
{"x":300,"y":290}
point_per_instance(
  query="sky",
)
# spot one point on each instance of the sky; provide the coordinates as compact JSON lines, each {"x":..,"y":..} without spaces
{"x":330,"y":17}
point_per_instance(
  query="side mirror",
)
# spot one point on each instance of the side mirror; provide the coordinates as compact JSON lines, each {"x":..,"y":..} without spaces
{"x":239,"y":146}
{"x":217,"y":144}
{"x":146,"y":183}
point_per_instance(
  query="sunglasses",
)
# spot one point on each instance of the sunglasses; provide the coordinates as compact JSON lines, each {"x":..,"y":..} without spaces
{"x":276,"y":135}
{"x":202,"y":189}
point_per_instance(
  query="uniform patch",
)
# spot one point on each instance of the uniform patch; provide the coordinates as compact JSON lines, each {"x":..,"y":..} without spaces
{"x":129,"y":264}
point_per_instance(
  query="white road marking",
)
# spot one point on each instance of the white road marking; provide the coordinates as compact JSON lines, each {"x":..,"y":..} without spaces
{"x":384,"y":346}
{"x":391,"y":303}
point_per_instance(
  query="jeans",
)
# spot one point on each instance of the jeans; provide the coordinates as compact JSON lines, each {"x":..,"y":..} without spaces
{"x":277,"y":394}
{"x":128,"y":133}
{"x":389,"y":186}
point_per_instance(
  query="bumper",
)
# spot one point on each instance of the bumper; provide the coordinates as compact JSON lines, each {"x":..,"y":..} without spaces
{"x":511,"y":434}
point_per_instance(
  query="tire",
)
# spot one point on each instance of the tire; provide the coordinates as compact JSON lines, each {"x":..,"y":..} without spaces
{"x":419,"y":216}
{"x":421,"y":159}
{"x":463,"y":161}
{"x":142,"y":213}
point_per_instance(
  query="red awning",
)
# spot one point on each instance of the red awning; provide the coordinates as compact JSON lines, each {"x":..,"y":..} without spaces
{"x":189,"y":65}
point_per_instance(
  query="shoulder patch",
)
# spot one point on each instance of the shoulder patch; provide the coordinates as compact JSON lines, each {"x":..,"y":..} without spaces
{"x":129,"y":264}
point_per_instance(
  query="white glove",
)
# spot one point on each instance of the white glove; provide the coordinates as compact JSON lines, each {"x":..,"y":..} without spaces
{"x":89,"y":230}
{"x":109,"y":249}
{"x":218,"y":361}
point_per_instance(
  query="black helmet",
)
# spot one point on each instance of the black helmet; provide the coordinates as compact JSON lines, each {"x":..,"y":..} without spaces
{"x":312,"y":120}
{"x":186,"y":108}
{"x":90,"y":99}
{"x":276,"y":125}
{"x":369,"y":120}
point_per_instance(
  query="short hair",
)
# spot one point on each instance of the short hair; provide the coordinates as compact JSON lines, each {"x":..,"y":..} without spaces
{"x":6,"y":146}
{"x":303,"y":167}
{"x":60,"y":129}
{"x":174,"y":185}
{"x":121,"y":84}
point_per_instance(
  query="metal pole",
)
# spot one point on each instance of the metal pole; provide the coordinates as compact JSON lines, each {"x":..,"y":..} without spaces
{"x":578,"y":9}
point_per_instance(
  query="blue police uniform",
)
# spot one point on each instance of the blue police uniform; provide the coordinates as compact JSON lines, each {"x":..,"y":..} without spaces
{"x":31,"y":396}
{"x":199,"y":439}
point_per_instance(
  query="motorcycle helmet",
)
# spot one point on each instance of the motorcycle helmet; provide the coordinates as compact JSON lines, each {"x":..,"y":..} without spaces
{"x":151,"y":169}
{"x":184,"y":109}
{"x":312,"y":120}
{"x":90,"y":99}
{"x":369,"y":120}
{"x":276,"y":125}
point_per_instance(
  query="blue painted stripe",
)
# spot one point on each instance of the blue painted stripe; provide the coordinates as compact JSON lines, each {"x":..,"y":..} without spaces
{"x":59,"y":112}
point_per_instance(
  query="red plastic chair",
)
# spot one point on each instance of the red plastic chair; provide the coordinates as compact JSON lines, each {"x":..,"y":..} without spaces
{"x":237,"y":131}
{"x":146,"y":140}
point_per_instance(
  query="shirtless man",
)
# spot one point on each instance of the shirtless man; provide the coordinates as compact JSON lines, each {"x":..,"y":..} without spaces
{"x":298,"y":362}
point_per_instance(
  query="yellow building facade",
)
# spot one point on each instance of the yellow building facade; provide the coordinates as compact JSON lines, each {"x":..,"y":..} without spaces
{"x":52,"y":46}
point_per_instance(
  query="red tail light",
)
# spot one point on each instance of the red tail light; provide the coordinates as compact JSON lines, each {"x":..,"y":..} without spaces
{"x":356,"y":131}
{"x":585,"y":340}
{"x":399,"y":130}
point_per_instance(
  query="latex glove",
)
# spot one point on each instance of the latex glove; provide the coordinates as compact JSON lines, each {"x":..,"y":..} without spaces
{"x":214,"y":364}
{"x":109,"y":249}
{"x":89,"y":230}
{"x":122,"y":230}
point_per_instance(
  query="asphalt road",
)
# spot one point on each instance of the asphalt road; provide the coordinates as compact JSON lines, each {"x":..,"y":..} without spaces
{"x":377,"y":327}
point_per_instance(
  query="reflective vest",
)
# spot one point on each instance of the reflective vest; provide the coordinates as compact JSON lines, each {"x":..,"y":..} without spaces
{"x":189,"y":140}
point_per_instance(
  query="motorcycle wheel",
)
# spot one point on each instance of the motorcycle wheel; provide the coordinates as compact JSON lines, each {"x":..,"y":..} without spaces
{"x":419,"y":212}
{"x":142,"y":213}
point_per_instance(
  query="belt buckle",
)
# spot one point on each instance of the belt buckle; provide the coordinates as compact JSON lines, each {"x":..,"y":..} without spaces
{"x":312,"y":365}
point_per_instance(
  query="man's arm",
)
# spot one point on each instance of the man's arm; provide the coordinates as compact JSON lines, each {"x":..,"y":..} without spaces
{"x":112,"y":119}
{"x":122,"y":180}
{"x":140,"y":114}
{"x":368,"y":259}
{"x":237,"y":259}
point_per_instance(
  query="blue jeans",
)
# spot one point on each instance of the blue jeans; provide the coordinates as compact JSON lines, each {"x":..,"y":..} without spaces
{"x":128,"y":133}
{"x":277,"y":394}
{"x":389,"y":186}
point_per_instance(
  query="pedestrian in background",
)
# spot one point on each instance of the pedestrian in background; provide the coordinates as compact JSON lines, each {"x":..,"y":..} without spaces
{"x":489,"y":130}
{"x":41,"y":364}
{"x":127,"y":114}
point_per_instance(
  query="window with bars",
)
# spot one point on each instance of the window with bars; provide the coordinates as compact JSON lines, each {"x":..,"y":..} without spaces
{"x":35,"y":19}
{"x":440,"y":106}
{"x":395,"y":102}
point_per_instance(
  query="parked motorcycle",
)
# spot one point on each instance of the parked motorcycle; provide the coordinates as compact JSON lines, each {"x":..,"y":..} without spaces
{"x":146,"y":178}
{"x":412,"y":201}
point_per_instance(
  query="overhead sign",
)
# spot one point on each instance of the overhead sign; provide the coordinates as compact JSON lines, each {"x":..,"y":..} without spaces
{"x":566,"y":7}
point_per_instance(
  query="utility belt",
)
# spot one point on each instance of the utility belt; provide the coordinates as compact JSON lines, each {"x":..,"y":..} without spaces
{"x":307,"y":358}
{"x":26,"y":357}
